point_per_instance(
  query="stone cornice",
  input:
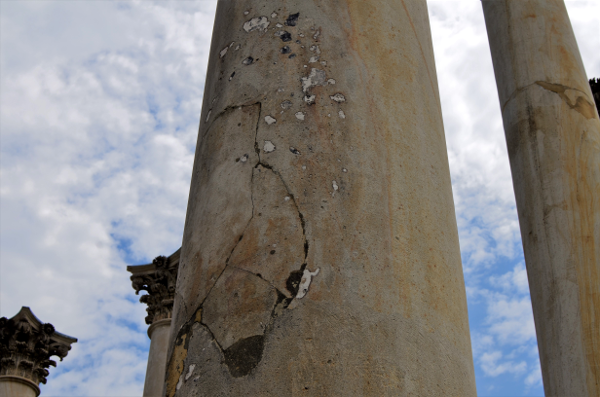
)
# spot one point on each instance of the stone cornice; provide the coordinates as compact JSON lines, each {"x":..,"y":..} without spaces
{"x":158,"y":280}
{"x":26,"y":345}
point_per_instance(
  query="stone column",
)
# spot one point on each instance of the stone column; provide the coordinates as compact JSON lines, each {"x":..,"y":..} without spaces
{"x":158,"y":280}
{"x":553,"y":137}
{"x":320,"y":253}
{"x":26,"y":345}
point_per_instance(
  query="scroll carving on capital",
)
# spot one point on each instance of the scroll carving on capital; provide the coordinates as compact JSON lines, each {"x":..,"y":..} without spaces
{"x":26,"y":345}
{"x":158,"y":280}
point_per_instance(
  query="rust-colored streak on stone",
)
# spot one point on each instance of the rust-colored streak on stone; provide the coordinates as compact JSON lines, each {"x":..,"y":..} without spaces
{"x":581,"y":104}
{"x":176,"y":364}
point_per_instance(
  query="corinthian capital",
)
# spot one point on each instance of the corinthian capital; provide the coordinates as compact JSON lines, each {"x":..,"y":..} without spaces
{"x":158,"y":280}
{"x":26,"y":345}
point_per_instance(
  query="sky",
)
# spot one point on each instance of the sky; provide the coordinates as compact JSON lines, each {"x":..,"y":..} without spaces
{"x":99,"y":110}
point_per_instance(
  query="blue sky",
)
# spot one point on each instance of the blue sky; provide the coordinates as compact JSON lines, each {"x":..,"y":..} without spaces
{"x":99,"y":110}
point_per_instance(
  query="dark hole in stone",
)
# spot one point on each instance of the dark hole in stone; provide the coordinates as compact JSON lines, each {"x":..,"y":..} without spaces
{"x":272,"y":252}
{"x":294,"y":150}
{"x":285,"y":37}
{"x":292,"y":20}
{"x":232,"y":74}
{"x":285,"y":50}
{"x":292,"y":56}
{"x":244,"y":355}
{"x":293,"y":282}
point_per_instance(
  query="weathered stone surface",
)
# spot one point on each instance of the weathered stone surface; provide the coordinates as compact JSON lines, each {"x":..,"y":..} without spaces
{"x":335,"y":106}
{"x":553,"y":138}
{"x":26,"y":346}
{"x":238,"y":307}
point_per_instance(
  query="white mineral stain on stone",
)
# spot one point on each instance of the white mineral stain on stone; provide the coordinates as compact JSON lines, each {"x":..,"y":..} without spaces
{"x":269,"y":147}
{"x":180,"y":383}
{"x":244,"y":158}
{"x":286,"y":104}
{"x":258,"y":23}
{"x":274,"y":15}
{"x":208,"y":115}
{"x":315,"y":78}
{"x":300,"y":116}
{"x":270,"y":120}
{"x":335,"y":185}
{"x":223,"y":52}
{"x":237,"y":47}
{"x":287,"y":198}
{"x":338,"y":97}
{"x":323,"y":63}
{"x":190,"y":371}
{"x":303,"y":167}
{"x":309,"y":99}
{"x":305,"y":282}
{"x":344,"y":170}
{"x":301,"y":34}
{"x":313,"y":59}
{"x":279,"y":25}
{"x":342,"y":114}
{"x":331,"y":81}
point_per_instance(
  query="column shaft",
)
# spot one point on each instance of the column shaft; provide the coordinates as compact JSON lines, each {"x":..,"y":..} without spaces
{"x":12,"y":386}
{"x":553,"y":137}
{"x":157,"y":358}
{"x":320,"y":253}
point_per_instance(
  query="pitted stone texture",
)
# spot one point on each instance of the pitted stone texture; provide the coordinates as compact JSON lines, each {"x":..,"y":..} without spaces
{"x":273,"y":244}
{"x":553,"y":139}
{"x":238,"y":307}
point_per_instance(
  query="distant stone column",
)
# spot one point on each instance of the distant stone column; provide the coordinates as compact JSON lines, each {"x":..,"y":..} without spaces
{"x":158,"y":280}
{"x":26,"y":345}
{"x":320,"y":254}
{"x":553,"y":137}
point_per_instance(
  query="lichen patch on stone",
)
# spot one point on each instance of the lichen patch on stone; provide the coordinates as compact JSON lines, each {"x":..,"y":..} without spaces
{"x":315,"y":78}
{"x":338,"y":97}
{"x":269,"y":147}
{"x":258,"y":23}
{"x":305,"y":282}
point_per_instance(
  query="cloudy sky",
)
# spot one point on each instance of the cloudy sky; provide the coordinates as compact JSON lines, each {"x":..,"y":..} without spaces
{"x":100,"y":102}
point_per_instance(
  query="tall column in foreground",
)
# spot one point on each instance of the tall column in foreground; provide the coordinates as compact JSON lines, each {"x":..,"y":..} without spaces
{"x":158,"y":280}
{"x":26,"y":345}
{"x":553,"y":136}
{"x":320,"y":253}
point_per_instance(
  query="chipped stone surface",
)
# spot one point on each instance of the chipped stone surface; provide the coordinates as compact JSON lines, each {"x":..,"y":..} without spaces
{"x":386,"y":313}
